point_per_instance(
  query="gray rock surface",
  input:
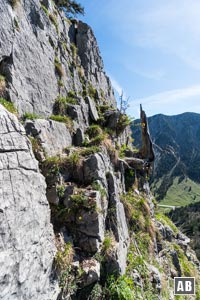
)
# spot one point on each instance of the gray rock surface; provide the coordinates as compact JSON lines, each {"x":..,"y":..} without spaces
{"x":95,"y":168}
{"x":91,"y":269}
{"x":26,"y":245}
{"x":92,"y":62}
{"x":53,"y":136}
{"x":118,"y":224}
{"x":92,"y":109}
{"x":30,"y":42}
{"x":89,"y":226}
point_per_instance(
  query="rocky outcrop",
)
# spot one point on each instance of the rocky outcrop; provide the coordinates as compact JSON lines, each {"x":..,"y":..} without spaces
{"x":52,"y":136}
{"x":107,"y":242}
{"x":27,"y":244}
{"x":43,"y":54}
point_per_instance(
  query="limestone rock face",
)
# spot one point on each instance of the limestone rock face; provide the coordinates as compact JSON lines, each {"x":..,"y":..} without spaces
{"x":53,"y":136}
{"x":43,"y":55}
{"x":26,"y":245}
{"x":92,"y":62}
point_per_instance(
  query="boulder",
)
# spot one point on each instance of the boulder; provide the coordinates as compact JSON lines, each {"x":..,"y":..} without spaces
{"x":53,"y":136}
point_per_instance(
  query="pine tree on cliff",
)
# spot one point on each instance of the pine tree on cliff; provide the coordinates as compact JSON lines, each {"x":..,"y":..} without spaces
{"x":71,"y":7}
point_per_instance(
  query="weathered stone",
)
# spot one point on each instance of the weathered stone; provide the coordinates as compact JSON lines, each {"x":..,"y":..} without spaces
{"x":91,"y":61}
{"x":91,"y":269}
{"x":112,"y":118}
{"x":26,"y":246}
{"x":78,"y":137}
{"x":166,"y":231}
{"x":90,"y":224}
{"x":175,"y":260}
{"x":79,"y":113}
{"x":155,"y":278}
{"x":53,"y":136}
{"x":96,"y":167}
{"x":118,"y":225}
{"x":92,"y":109}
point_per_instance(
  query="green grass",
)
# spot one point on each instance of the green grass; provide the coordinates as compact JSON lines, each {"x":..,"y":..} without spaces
{"x":94,"y":130}
{"x":61,"y":103}
{"x":54,"y":21}
{"x":166,"y":221}
{"x":30,"y":116}
{"x":45,"y":9}
{"x":58,"y":67}
{"x":90,"y":150}
{"x":8,"y":105}
{"x":63,"y":119}
{"x":181,"y":194}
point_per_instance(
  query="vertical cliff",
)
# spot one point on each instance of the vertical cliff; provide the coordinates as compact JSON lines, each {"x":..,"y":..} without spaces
{"x":27,"y":242}
{"x":97,"y":236}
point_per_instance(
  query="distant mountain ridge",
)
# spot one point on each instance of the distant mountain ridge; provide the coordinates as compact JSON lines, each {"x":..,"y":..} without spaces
{"x":176,"y":142}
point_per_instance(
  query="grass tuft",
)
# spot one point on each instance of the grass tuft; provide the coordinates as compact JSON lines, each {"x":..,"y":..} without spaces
{"x":8,"y":105}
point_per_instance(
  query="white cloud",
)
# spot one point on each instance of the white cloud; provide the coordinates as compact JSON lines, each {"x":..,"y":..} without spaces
{"x":169,"y":97}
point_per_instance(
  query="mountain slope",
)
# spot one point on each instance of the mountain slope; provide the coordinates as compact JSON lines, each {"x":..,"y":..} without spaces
{"x":104,"y":241}
{"x":176,"y":141}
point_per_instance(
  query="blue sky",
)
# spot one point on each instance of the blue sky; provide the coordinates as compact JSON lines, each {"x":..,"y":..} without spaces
{"x":151,"y":51}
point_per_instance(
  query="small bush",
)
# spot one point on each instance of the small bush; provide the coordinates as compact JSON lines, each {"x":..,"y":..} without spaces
{"x":94,"y":130}
{"x":60,"y":190}
{"x":8,"y":105}
{"x":73,"y":160}
{"x":108,"y":245}
{"x":123,"y":122}
{"x":64,"y":258}
{"x":98,"y":140}
{"x":80,"y":201}
{"x":72,"y":7}
{"x":121,"y":288}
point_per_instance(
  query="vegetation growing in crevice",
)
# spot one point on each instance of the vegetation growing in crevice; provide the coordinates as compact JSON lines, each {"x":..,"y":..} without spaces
{"x":30,"y":116}
{"x":58,"y":67}
{"x":8,"y":105}
{"x":16,"y":24}
{"x":61,"y":103}
{"x":54,"y":21}
{"x":63,"y":119}
{"x":71,"y":7}
{"x":123,"y":122}
{"x":63,"y":263}
{"x":2,"y":85}
{"x":14,"y":3}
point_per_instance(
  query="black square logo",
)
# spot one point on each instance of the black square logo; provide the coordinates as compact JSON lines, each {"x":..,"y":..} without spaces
{"x":184,"y":286}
